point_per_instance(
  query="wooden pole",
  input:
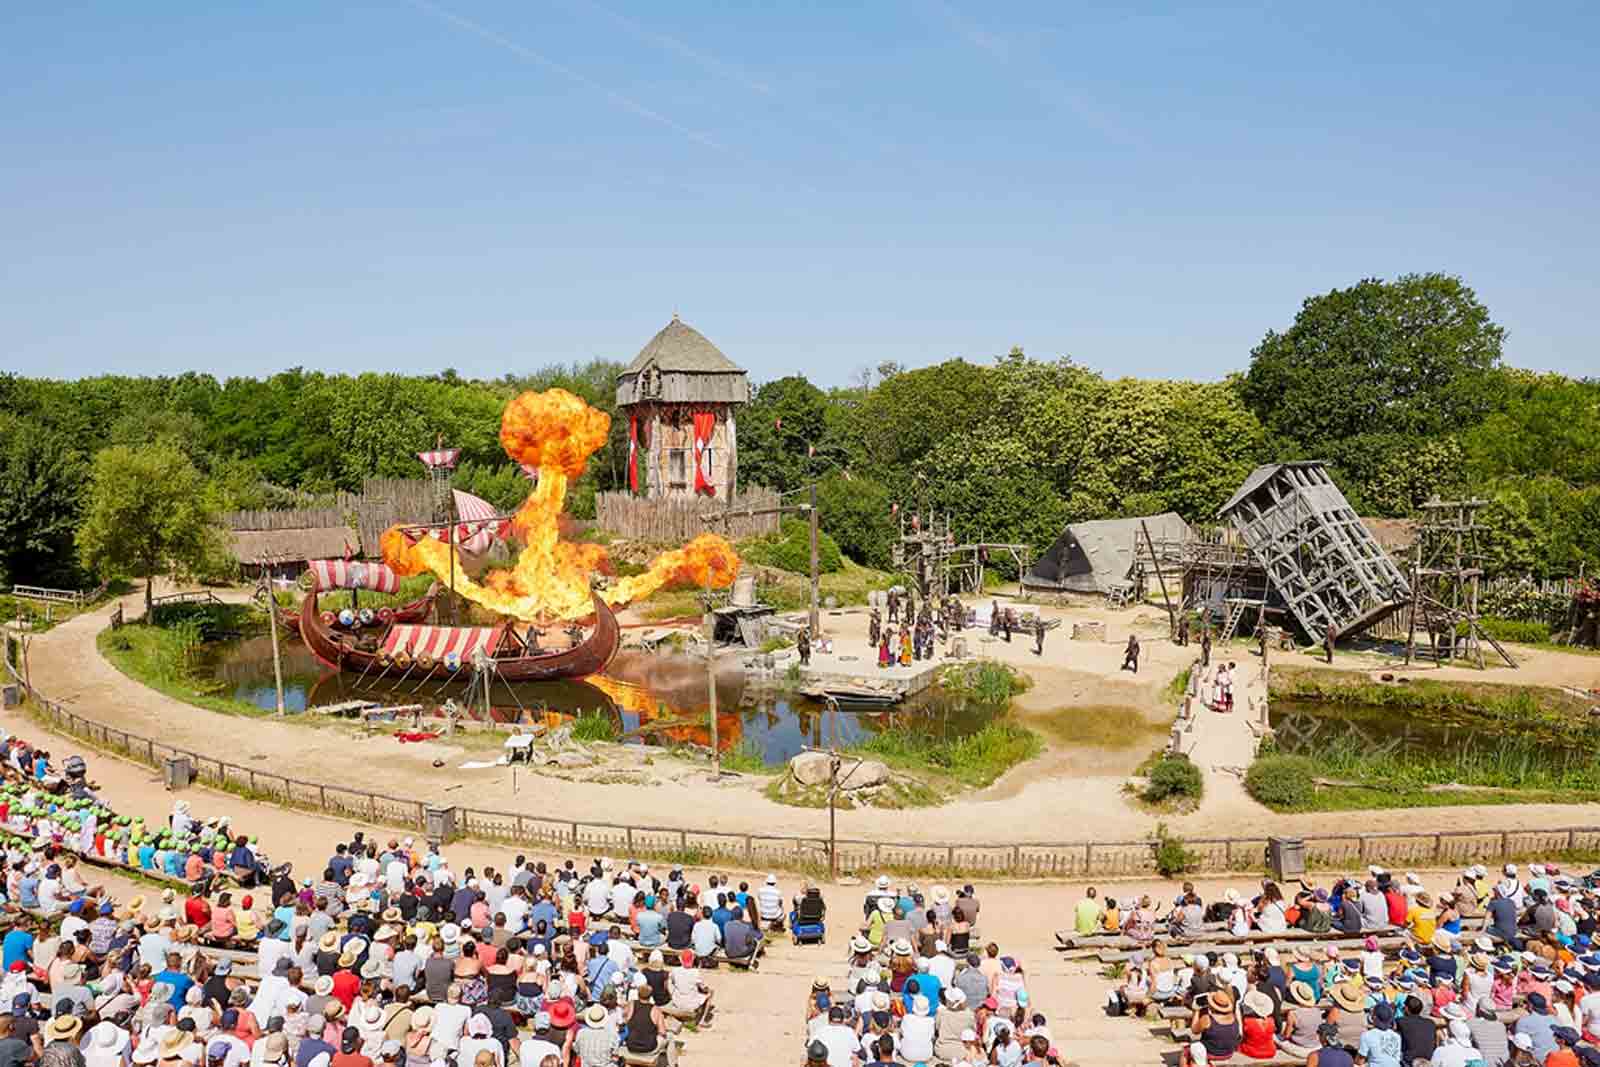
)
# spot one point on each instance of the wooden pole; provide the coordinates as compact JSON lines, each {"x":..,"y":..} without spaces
{"x":711,"y":683}
{"x":816,"y":620}
{"x":1172,"y":616}
{"x":272,"y":624}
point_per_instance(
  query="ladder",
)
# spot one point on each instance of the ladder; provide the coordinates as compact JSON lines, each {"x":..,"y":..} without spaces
{"x":1231,"y":626}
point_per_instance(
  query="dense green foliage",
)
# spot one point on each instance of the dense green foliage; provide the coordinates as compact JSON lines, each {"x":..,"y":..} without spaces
{"x":1399,"y":384}
{"x":790,"y":550}
{"x":1171,"y":778}
{"x":1282,"y":783}
{"x":1172,"y":856}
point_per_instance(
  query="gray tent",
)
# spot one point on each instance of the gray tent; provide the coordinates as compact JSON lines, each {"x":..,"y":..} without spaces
{"x":1097,"y":556}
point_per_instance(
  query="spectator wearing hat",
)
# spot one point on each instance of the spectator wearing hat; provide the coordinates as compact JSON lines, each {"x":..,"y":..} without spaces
{"x":596,"y":1041}
{"x":1539,"y":1026}
{"x":1216,"y":1023}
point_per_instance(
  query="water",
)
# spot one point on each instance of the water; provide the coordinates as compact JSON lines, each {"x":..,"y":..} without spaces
{"x":664,"y":695}
{"x":1314,"y":728}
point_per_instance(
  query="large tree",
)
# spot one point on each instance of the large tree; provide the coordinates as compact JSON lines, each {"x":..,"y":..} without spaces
{"x":148,"y":512}
{"x":1380,"y":362}
{"x":41,"y":482}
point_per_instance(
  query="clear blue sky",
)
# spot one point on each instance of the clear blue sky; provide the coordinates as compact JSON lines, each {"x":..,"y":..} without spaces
{"x":496,"y":185}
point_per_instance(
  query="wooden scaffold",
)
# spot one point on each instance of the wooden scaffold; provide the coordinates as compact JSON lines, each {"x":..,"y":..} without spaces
{"x":1446,"y":572}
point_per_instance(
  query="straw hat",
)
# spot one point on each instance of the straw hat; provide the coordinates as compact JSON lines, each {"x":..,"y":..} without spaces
{"x":392,"y":915}
{"x":422,"y":1019}
{"x":347,"y":959}
{"x":901,"y":947}
{"x":1349,"y":997}
{"x":174,"y":1043}
{"x":1302,"y":994}
{"x":941,"y":894}
{"x":324,"y":986}
{"x":1220,"y":1001}
{"x":595,"y":1017}
{"x":63,"y":1028}
{"x":328,"y":942}
{"x":1257,"y":1003}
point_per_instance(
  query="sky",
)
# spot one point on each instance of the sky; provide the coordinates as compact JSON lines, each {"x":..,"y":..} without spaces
{"x":496,"y":186}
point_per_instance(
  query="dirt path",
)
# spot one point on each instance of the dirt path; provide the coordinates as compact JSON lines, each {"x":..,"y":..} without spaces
{"x":1040,"y":801}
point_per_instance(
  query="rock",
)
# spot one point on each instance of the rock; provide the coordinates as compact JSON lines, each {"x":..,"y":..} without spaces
{"x":869,"y":773}
{"x":809,"y":768}
{"x":572,"y":759}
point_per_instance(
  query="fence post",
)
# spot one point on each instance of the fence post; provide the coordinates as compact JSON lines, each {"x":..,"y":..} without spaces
{"x":1016,"y":857}
{"x":1088,"y":858}
{"x":628,"y":834}
{"x":1438,"y":846}
{"x":151,"y":745}
{"x":1572,"y":840}
{"x":372,"y":807}
{"x":1227,"y":853}
{"x":519,"y":826}
{"x":683,"y":840}
{"x":749,"y":851}
{"x":422,"y":822}
{"x":1361,"y":847}
{"x":1505,"y":844}
{"x":322,"y":796}
{"x":574,"y":836}
{"x":252,"y":779}
{"x":950,"y":857}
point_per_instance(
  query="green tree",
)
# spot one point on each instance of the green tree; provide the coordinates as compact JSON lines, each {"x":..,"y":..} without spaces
{"x":854,"y":510}
{"x":784,"y":440}
{"x":41,"y":483}
{"x":148,"y":511}
{"x":1413,"y":357}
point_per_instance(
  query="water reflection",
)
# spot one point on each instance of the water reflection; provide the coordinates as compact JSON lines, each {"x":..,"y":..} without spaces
{"x":653,"y":699}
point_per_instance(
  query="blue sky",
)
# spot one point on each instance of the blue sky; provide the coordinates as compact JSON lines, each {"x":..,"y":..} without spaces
{"x":495,"y":186}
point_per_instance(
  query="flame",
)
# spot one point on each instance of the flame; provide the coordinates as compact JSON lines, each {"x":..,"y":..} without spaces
{"x":556,"y":433}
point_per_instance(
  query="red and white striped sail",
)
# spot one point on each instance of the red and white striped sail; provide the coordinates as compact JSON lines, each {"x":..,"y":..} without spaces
{"x":440,"y":457}
{"x":354,"y":574}
{"x":481,"y":523}
{"x":440,"y":641}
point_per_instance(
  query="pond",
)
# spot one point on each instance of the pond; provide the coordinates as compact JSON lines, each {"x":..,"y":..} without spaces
{"x":664,"y":695}
{"x":1444,"y":743}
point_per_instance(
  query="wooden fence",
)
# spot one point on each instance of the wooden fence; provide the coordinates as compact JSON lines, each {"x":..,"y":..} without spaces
{"x":76,"y":597}
{"x":382,"y":503}
{"x":701,"y":846}
{"x":670,"y":520}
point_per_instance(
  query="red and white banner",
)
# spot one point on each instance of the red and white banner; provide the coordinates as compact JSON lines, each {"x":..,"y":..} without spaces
{"x":439,"y":641}
{"x":354,"y":574}
{"x":705,"y":424}
{"x":440,"y":457}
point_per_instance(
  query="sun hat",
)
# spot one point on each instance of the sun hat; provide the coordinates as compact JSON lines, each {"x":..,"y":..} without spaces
{"x":1302,"y":993}
{"x":1349,"y":997}
{"x":885,"y":904}
{"x":63,"y":1028}
{"x":859,"y":944}
{"x":595,"y":1017}
{"x":175,"y":1042}
{"x":324,"y":985}
{"x":328,"y":942}
{"x":347,"y":960}
{"x":883,"y":881}
{"x":1219,"y":1000}
{"x":422,"y":1019}
{"x":1257,"y":1003}
{"x":562,"y":1014}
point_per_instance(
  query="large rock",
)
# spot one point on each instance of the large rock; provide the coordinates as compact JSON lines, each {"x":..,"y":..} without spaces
{"x":869,"y":773}
{"x":811,"y":768}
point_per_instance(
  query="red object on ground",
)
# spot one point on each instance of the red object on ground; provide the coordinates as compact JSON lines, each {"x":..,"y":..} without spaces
{"x":403,"y":736}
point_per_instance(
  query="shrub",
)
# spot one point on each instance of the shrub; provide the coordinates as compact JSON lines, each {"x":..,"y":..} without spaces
{"x":1283,"y":783}
{"x":594,"y":726}
{"x":1173,"y":776}
{"x":790,"y":550}
{"x":1172,"y":857}
{"x":1524,"y":633}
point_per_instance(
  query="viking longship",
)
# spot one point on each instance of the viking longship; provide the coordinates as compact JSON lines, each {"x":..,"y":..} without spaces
{"x":358,"y":575}
{"x":418,"y":651}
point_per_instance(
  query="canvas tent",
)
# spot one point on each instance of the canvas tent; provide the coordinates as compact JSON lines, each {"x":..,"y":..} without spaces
{"x":1097,"y":556}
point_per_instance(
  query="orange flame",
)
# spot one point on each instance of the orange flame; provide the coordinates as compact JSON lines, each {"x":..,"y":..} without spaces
{"x":557,"y":432}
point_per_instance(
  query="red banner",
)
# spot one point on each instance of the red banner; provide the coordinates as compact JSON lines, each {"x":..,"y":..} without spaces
{"x":705,"y":422}
{"x":633,"y":452}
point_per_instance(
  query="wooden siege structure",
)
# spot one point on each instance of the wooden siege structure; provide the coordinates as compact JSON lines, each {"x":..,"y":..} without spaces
{"x":1317,"y":553}
{"x":1446,"y":570}
{"x":926,"y":549}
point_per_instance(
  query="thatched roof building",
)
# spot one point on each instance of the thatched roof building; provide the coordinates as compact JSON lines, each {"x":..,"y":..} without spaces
{"x":680,"y":394}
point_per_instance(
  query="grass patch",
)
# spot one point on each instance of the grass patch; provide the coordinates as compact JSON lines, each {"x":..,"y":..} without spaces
{"x":1108,"y":726}
{"x":745,"y":758}
{"x":776,"y":643}
{"x":1509,"y":703}
{"x":594,"y":726}
{"x":1179,"y":686}
{"x":162,"y":655}
{"x":987,"y":684}
{"x":975,"y":760}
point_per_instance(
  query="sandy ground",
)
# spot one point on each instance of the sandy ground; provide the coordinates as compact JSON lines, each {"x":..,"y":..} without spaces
{"x":1045,"y":800}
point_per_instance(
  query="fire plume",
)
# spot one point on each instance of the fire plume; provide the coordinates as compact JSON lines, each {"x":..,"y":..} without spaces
{"x":556,"y":432}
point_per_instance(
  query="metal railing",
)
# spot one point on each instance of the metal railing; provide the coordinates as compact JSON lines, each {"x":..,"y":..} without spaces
{"x":755,"y":850}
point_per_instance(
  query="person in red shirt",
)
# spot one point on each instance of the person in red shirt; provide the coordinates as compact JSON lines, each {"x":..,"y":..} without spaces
{"x":349,"y":1054}
{"x":1398,"y":905}
{"x":346,"y":983}
{"x":197,"y":911}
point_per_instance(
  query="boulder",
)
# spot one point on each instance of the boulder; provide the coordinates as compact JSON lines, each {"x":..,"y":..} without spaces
{"x":809,"y":768}
{"x":869,"y":773}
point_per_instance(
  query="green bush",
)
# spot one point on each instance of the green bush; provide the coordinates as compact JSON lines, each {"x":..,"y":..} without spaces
{"x":1282,"y":783}
{"x":1172,"y":857}
{"x":790,"y":549}
{"x":1173,"y":776}
{"x":594,"y":726}
{"x":1525,"y":633}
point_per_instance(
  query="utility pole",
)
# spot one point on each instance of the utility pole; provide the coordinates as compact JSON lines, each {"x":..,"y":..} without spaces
{"x":272,"y":625}
{"x":710,"y":621}
{"x":815,"y":577}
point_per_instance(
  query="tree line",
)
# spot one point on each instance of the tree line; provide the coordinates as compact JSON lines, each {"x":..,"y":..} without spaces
{"x":1400,"y":385}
